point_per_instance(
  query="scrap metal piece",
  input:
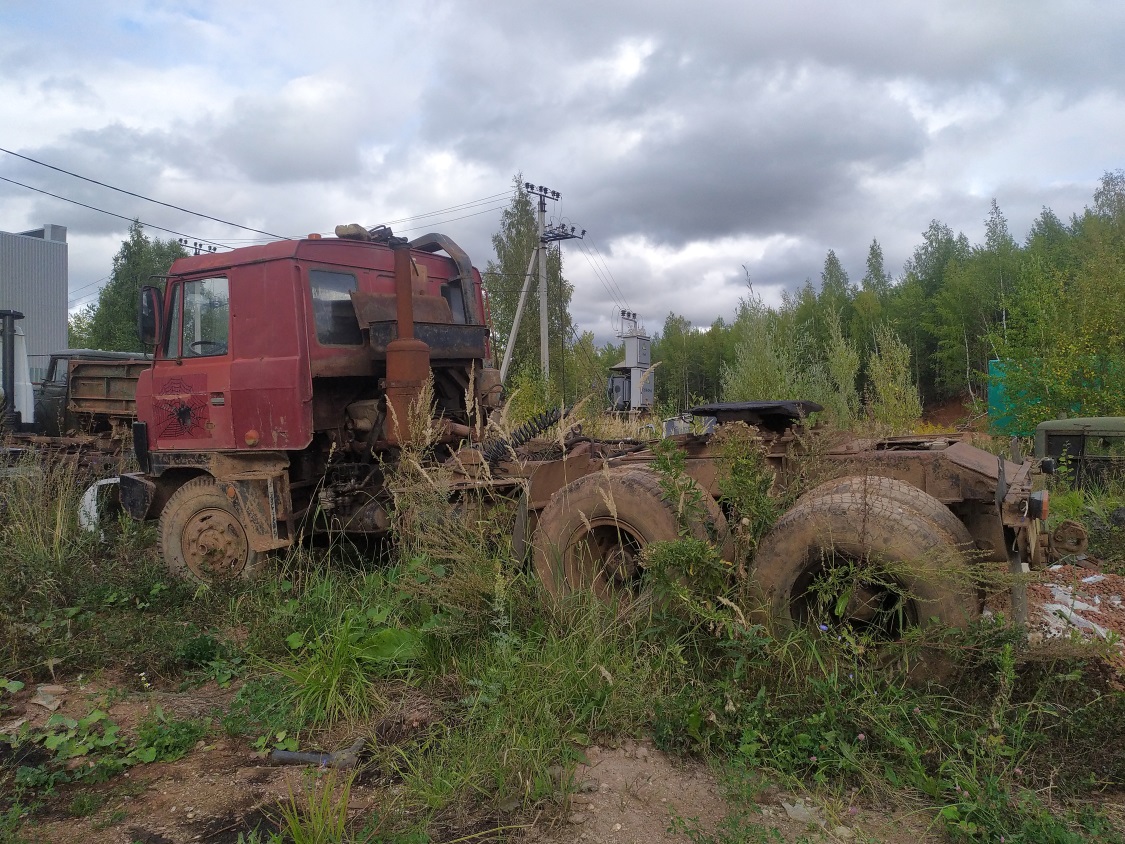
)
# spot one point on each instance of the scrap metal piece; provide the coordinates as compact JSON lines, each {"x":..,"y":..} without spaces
{"x":1070,"y":537}
{"x":343,"y":759}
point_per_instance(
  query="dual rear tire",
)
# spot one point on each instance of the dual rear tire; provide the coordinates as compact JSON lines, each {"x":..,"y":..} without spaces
{"x":873,"y":553}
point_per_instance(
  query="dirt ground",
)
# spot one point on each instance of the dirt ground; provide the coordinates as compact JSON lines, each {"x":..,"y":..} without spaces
{"x":632,"y":793}
{"x":954,"y":413}
{"x":626,"y":793}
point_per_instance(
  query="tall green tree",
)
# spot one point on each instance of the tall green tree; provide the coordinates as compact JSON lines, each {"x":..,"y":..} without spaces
{"x":970,"y":304}
{"x":111,"y":324}
{"x":876,"y":279}
{"x":675,"y":348}
{"x":504,"y":277}
{"x":911,"y":304}
{"x":1064,"y":347}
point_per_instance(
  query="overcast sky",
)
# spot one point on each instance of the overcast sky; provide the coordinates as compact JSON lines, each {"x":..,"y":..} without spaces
{"x":689,"y":139}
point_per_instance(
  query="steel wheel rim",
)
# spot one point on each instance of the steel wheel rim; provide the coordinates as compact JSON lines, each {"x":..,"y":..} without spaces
{"x":604,"y":556}
{"x":214,"y":544}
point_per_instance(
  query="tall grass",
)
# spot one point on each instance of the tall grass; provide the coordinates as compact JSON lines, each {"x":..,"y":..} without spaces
{"x":499,"y":689}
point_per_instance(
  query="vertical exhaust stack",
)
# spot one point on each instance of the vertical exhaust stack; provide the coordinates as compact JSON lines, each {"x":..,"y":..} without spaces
{"x":9,"y":416}
{"x":408,"y":359}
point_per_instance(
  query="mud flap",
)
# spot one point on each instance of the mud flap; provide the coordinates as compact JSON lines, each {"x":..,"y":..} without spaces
{"x":136,"y":493}
{"x":258,"y":502}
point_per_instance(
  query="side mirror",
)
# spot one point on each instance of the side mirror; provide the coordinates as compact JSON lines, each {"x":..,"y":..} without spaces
{"x":149,"y":311}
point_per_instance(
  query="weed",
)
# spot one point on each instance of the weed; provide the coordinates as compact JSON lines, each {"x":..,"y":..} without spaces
{"x":92,"y":748}
{"x":319,"y":814}
{"x":85,"y":804}
{"x":746,"y":485}
{"x":11,"y":821}
{"x":112,"y":819}
{"x":736,"y":828}
{"x":164,"y":739}
{"x":263,"y":707}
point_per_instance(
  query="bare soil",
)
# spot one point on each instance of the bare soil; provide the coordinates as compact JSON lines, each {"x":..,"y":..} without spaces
{"x":955,"y":413}
{"x":633,"y":794}
{"x":628,"y":793}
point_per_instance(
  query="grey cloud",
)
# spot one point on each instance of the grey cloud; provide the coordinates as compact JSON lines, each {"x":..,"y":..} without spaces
{"x":747,"y":119}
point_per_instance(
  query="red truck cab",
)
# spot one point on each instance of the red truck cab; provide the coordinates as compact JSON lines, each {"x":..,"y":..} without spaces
{"x":272,"y":370}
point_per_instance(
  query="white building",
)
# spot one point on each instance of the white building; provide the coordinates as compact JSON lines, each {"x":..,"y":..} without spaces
{"x":33,"y":280}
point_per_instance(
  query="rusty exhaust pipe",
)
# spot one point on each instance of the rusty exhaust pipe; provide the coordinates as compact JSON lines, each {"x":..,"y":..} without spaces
{"x":408,"y":359}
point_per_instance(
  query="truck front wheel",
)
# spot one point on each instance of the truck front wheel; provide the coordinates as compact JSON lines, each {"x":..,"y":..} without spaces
{"x":202,"y":538}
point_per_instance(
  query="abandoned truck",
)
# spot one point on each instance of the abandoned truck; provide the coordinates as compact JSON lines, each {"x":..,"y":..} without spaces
{"x":81,"y":413}
{"x":284,"y":375}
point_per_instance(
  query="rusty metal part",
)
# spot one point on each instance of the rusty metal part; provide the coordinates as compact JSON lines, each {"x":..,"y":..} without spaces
{"x":214,"y":544}
{"x":1070,"y":537}
{"x":500,"y":449}
{"x":371,"y":517}
{"x":104,"y":388}
{"x":137,"y":494}
{"x":408,"y":359}
{"x":488,"y":388}
{"x":434,"y":242}
{"x":343,"y":759}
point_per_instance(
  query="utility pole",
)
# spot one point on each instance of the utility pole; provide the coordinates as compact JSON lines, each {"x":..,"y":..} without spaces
{"x":544,"y":346}
{"x":547,"y":235}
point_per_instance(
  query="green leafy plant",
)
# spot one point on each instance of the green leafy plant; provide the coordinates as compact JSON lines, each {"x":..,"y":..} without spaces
{"x":165,"y":739}
{"x":281,"y":740}
{"x":331,"y":670}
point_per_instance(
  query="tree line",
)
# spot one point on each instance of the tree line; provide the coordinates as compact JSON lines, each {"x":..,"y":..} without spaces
{"x":1051,"y":310}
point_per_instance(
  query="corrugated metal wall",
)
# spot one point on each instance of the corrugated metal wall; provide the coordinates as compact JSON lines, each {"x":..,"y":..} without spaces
{"x":33,"y":280}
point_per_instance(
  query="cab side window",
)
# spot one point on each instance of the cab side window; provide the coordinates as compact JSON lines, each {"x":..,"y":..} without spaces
{"x":336,"y":323}
{"x":172,"y":330}
{"x":205,"y":331}
{"x":60,"y":371}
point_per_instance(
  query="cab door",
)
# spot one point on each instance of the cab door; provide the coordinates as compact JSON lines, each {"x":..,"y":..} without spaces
{"x":50,"y":404}
{"x":191,"y":386}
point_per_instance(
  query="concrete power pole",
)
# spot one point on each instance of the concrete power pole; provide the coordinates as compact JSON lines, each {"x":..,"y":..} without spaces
{"x":544,"y":346}
{"x":547,"y":235}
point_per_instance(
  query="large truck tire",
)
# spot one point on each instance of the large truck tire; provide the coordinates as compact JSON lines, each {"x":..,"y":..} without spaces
{"x":900,"y":492}
{"x":592,"y":531}
{"x":866,"y":561}
{"x":201,"y":537}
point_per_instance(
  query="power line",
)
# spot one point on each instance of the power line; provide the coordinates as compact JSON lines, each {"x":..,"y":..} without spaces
{"x":91,"y":284}
{"x":598,"y":275}
{"x":469,"y":204}
{"x":76,"y":302}
{"x":609,"y":272}
{"x":460,"y":207}
{"x":141,"y":196}
{"x":452,"y":219}
{"x":110,"y":213}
